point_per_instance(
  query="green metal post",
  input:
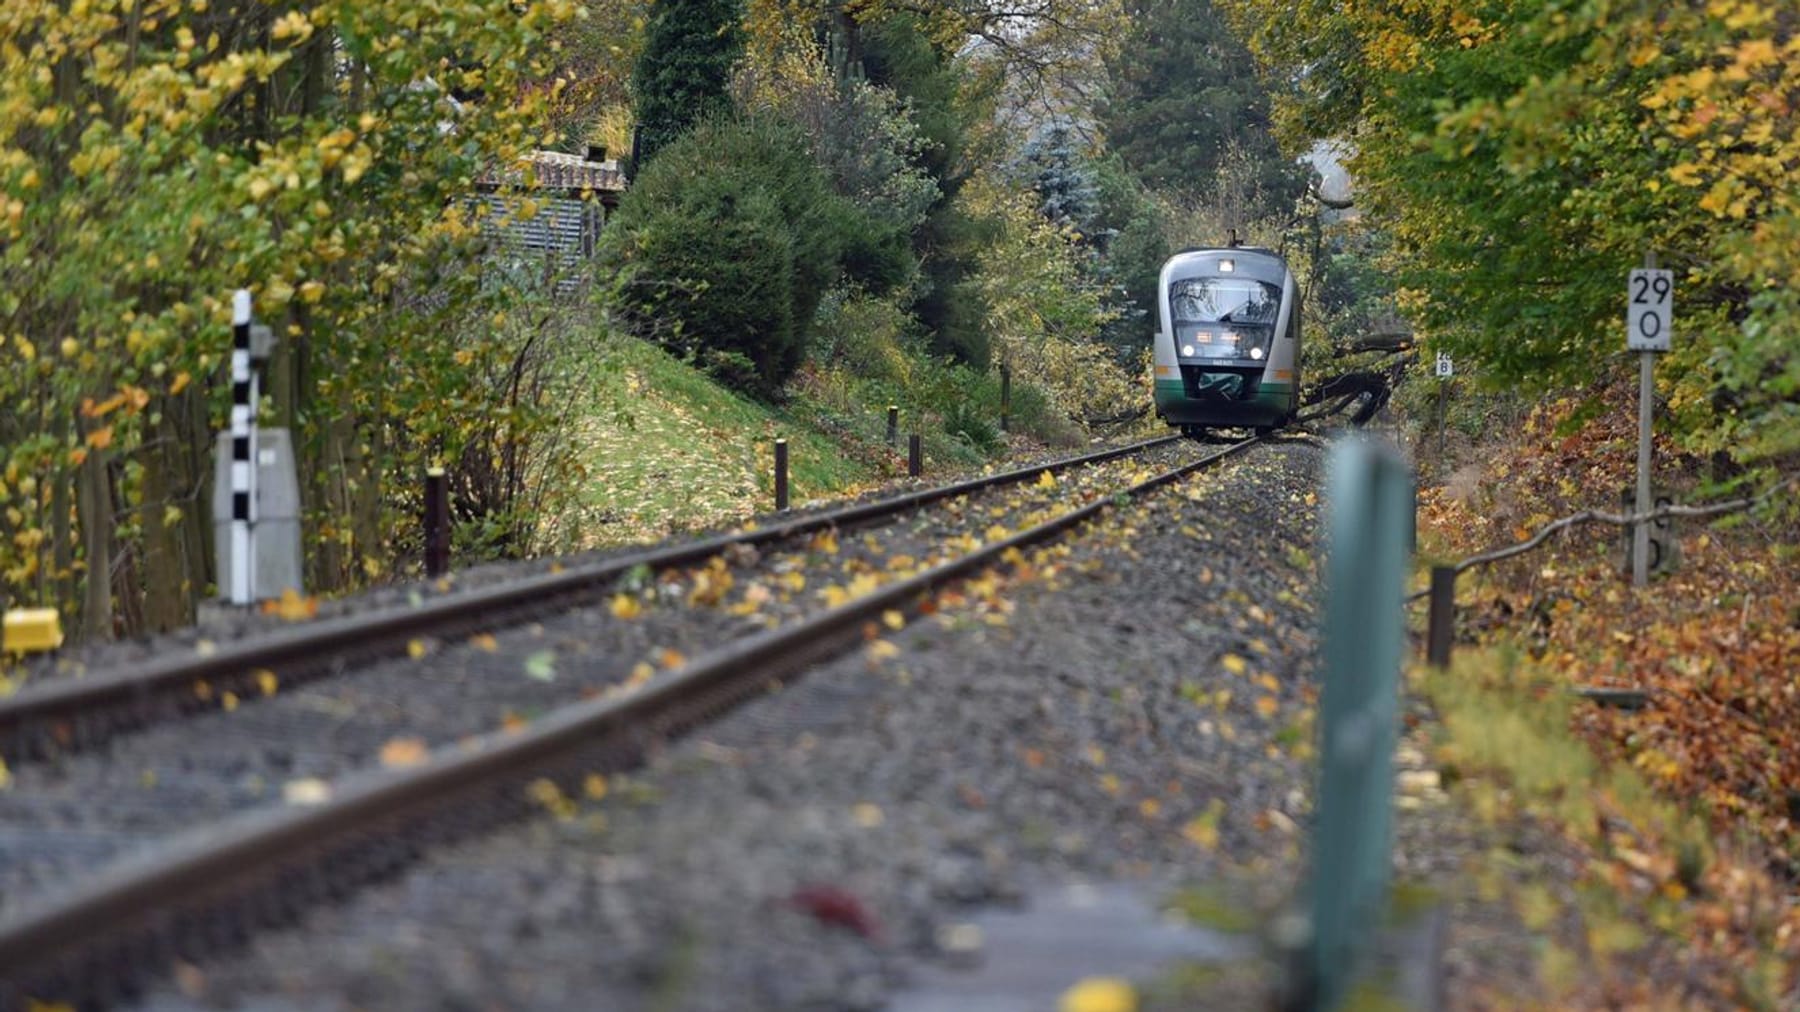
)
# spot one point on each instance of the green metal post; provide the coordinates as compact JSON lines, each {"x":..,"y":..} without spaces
{"x":1370,"y":490}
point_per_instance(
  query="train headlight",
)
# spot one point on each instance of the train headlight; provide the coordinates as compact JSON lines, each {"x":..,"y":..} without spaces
{"x":1227,"y":266}
{"x":1188,"y":350}
{"x":1256,"y":353}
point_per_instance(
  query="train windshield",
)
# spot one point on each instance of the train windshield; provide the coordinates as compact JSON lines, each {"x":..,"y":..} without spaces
{"x":1224,"y":300}
{"x":1223,"y":318}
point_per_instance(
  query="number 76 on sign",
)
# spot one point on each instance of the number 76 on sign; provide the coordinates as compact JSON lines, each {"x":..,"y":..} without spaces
{"x":1649,"y":309}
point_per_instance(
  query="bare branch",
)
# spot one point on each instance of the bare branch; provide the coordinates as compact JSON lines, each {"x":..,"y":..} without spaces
{"x":1617,"y":520}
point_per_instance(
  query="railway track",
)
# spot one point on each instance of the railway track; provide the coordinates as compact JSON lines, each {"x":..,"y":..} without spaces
{"x":72,"y":714}
{"x":261,"y":865}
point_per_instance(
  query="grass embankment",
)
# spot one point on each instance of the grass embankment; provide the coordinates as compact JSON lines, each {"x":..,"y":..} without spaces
{"x":666,"y":450}
{"x":1681,"y":814}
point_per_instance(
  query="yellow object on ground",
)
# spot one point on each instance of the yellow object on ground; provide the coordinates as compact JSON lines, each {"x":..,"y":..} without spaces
{"x":1099,"y":994}
{"x":32,"y":630}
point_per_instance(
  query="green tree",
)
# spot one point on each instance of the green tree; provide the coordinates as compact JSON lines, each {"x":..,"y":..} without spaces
{"x":1182,"y":96}
{"x":684,"y":71}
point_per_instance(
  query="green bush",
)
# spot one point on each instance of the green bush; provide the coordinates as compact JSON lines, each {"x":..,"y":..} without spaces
{"x":723,"y":248}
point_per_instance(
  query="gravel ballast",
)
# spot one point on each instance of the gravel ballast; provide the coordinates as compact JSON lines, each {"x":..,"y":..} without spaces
{"x":813,"y":846}
{"x":63,"y":818}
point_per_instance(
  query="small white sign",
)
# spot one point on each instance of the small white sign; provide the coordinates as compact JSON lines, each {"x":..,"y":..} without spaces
{"x":1649,"y":309}
{"x":1445,"y":368}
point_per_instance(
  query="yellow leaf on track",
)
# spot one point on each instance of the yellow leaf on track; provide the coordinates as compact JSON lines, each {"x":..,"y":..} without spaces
{"x":1099,"y":994}
{"x":625,"y":606}
{"x":292,"y":607}
{"x":416,"y":649}
{"x":882,"y":650}
{"x":893,"y":620}
{"x":1046,"y":480}
{"x":403,"y":752}
{"x":1203,"y":830}
{"x":484,"y":642}
{"x":1233,"y":663}
{"x":1266,"y":706}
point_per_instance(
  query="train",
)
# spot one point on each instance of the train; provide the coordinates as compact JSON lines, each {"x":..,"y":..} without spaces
{"x":1227,"y":354}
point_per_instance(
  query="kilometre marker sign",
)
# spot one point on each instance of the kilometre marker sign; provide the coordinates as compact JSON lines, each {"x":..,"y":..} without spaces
{"x":1649,"y":309}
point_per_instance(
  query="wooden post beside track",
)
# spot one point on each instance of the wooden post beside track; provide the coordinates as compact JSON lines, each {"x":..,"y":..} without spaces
{"x":1440,"y":631}
{"x":781,"y":474}
{"x":915,"y":456}
{"x":437,"y":523}
{"x":893,"y":429}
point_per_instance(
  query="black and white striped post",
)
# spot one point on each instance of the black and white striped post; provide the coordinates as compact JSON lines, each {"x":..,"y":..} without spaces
{"x":242,"y":578}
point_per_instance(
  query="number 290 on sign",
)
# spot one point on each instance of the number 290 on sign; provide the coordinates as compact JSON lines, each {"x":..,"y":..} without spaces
{"x":1649,"y":309}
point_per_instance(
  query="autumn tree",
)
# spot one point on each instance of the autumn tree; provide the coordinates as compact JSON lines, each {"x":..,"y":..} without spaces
{"x":1522,"y":159}
{"x":170,"y":151}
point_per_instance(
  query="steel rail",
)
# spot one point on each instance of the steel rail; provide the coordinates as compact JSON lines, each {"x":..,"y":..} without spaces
{"x":70,"y":713}
{"x":261,"y":846}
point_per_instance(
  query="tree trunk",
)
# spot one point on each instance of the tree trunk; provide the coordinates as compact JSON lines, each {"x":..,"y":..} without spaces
{"x":95,"y":501}
{"x":169,"y":584}
{"x":61,"y":577}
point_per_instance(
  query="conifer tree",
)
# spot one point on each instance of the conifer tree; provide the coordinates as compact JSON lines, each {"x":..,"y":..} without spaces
{"x":684,"y":69}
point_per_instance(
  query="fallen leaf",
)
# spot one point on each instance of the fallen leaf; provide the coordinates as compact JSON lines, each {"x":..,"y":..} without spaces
{"x":1233,"y":663}
{"x":403,"y":752}
{"x":416,"y":649}
{"x":866,"y":815}
{"x":1266,"y":706}
{"x":882,"y":650}
{"x":1203,"y":830}
{"x":292,"y":606}
{"x":484,"y":642}
{"x":266,"y":681}
{"x":306,"y":791}
{"x":1099,"y":994}
{"x":545,"y":792}
{"x":541,"y":666}
{"x":625,"y":606}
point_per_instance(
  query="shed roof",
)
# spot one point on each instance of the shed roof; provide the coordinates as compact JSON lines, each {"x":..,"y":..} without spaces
{"x":557,"y":170}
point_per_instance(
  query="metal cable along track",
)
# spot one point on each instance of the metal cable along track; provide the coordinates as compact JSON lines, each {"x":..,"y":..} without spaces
{"x":74,"y":713}
{"x":212,"y":887}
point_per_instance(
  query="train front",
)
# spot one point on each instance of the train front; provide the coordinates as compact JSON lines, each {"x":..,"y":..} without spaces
{"x":1226,"y":351}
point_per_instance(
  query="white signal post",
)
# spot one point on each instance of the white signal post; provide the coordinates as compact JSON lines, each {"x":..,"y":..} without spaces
{"x":1649,"y":317}
{"x":241,"y":581}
